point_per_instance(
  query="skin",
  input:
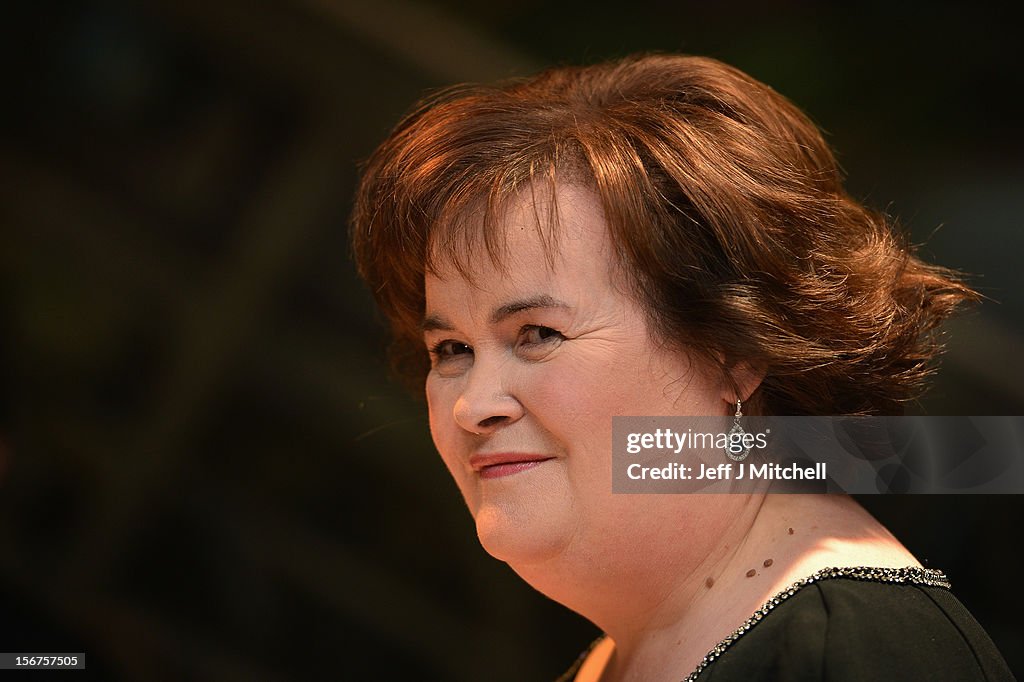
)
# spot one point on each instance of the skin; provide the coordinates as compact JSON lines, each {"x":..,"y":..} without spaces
{"x":531,"y":361}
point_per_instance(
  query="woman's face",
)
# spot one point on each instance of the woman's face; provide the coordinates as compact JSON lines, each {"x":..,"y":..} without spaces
{"x":529,"y":365}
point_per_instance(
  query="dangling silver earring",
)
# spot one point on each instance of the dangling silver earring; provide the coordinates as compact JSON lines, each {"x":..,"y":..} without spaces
{"x":735,"y":448}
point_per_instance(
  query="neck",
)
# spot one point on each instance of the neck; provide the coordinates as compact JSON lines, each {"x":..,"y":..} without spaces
{"x":664,"y":610}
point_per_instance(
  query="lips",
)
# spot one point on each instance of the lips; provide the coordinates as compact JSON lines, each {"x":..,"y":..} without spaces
{"x":500,"y":464}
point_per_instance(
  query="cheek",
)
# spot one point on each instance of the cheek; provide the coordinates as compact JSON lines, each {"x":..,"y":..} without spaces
{"x":434,"y":400}
{"x":441,"y":409}
{"x":588,"y":384}
{"x":573,"y":401}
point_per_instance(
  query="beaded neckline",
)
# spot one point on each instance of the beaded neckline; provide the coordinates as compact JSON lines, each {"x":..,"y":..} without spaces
{"x":910,"y":574}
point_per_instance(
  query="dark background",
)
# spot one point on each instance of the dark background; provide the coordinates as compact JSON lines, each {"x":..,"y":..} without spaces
{"x":205,"y":472}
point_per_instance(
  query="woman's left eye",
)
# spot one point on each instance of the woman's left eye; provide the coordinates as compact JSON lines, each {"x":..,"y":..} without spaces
{"x":533,"y":335}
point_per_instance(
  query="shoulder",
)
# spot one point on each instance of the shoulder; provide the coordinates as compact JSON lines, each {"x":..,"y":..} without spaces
{"x":848,"y":629}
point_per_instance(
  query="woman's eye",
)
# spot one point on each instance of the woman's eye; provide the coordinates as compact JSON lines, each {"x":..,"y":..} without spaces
{"x":533,"y":335}
{"x":446,"y":349}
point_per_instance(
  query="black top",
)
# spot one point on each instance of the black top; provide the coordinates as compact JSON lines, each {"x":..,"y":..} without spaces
{"x":858,"y":624}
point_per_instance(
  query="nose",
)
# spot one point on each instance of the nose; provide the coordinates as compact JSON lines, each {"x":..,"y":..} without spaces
{"x":486,"y":403}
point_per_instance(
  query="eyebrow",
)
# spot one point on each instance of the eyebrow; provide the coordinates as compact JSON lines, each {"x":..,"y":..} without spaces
{"x":439,"y":323}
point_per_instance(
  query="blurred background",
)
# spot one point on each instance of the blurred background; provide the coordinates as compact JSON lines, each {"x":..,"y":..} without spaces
{"x":205,"y":471}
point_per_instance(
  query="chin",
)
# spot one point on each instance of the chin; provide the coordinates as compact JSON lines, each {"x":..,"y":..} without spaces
{"x":519,"y":536}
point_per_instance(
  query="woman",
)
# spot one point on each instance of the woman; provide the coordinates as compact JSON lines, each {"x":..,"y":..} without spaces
{"x":661,"y":235}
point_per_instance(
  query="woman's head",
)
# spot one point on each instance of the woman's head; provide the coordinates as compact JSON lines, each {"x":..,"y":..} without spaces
{"x":530,"y":357}
{"x":725,"y":213}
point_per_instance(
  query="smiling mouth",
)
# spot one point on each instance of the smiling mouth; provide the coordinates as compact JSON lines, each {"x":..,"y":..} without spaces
{"x":505,"y":464}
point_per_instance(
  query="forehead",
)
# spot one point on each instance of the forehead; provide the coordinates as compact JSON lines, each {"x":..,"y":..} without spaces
{"x":554,"y":229}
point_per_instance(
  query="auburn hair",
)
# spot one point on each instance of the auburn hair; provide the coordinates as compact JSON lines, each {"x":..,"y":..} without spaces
{"x":723,"y":201}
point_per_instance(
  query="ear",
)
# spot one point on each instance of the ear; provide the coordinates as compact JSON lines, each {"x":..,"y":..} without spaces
{"x":743,"y":381}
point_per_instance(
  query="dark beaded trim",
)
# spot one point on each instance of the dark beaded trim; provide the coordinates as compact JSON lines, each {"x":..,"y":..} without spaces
{"x":912,"y":575}
{"x":570,"y":674}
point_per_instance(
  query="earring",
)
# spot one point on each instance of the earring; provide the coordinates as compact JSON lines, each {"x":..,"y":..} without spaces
{"x":735,"y":448}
